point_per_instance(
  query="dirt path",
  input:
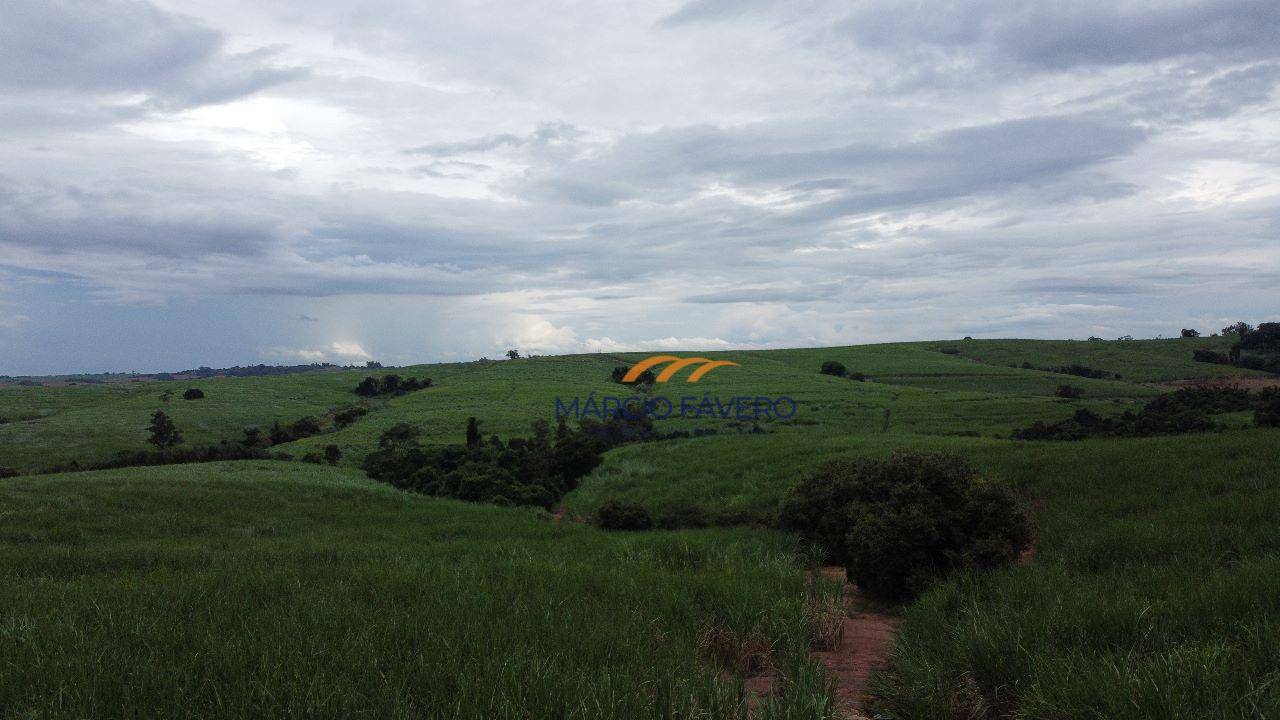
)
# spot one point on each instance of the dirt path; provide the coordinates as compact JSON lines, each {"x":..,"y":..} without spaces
{"x":866,"y":642}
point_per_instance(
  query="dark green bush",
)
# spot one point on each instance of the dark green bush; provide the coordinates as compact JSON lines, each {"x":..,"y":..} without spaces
{"x":6,"y":472}
{"x":617,"y":515}
{"x":899,"y":524}
{"x":681,"y":516}
{"x":1268,"y":412}
{"x":833,"y":367}
{"x":1069,"y":392}
{"x":193,"y":394}
{"x":332,"y":454}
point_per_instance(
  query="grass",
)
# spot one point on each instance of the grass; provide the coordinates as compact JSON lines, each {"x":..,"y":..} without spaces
{"x":266,"y":588}
{"x":277,"y":589}
{"x":1154,"y":593}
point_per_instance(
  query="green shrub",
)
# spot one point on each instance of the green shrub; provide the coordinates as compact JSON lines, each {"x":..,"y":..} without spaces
{"x":899,"y":524}
{"x":193,"y":394}
{"x":1070,"y":392}
{"x":1268,"y":413}
{"x":673,"y":517}
{"x":833,"y":367}
{"x":617,"y":515}
{"x":6,"y":472}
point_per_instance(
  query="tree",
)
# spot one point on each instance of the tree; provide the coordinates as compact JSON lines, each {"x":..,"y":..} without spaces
{"x":252,"y":437}
{"x":1190,"y":333}
{"x":1241,"y":328}
{"x":332,"y":454}
{"x":164,"y":434}
{"x":193,"y":394}
{"x":474,"y":439}
{"x":368,"y":387}
{"x":832,"y":367}
{"x":1264,"y":338}
{"x":513,"y":354}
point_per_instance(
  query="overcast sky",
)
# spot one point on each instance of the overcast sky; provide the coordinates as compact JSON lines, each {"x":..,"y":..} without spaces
{"x":233,"y":182}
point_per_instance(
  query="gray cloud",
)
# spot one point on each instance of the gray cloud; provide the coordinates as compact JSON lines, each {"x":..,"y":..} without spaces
{"x":755,"y":173}
{"x":126,"y":46}
{"x":1060,"y":36}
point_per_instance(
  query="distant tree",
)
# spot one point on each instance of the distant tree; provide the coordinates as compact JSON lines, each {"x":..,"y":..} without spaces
{"x":1241,"y":328}
{"x":1190,"y":333}
{"x":1264,"y":338}
{"x":1069,"y":392}
{"x":513,"y":354}
{"x":373,"y":365}
{"x":252,"y":437}
{"x":1125,"y":338}
{"x":332,"y":454}
{"x":368,"y":387}
{"x":474,"y":438}
{"x":833,"y":367}
{"x":305,"y":427}
{"x":390,"y":385}
{"x":1095,"y":338}
{"x":164,"y":434}
{"x":279,"y":435}
{"x":193,"y":394}
{"x":398,"y":437}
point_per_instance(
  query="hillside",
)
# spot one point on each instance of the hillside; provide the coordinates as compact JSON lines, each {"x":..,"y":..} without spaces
{"x":1151,"y":589}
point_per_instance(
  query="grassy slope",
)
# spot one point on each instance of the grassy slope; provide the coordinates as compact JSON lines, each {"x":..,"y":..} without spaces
{"x":1155,"y":578}
{"x":928,"y":392}
{"x":274,"y":589}
{"x":1154,"y":593}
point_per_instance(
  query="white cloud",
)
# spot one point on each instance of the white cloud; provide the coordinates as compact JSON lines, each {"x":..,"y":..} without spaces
{"x":336,"y":352}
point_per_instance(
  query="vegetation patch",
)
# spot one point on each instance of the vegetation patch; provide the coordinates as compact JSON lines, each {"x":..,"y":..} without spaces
{"x":1184,"y":411}
{"x":900,"y":524}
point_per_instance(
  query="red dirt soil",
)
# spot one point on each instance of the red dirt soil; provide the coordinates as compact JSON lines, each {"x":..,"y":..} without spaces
{"x":866,"y":643}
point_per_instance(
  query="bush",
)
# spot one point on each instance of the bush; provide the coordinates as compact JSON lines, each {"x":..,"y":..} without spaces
{"x":1190,"y":333}
{"x":314,"y":458}
{"x":681,"y":516}
{"x":617,"y":515}
{"x":7,"y":472}
{"x":164,"y":434}
{"x":1209,"y":356}
{"x":1268,"y":413}
{"x":346,"y":418}
{"x":899,"y":524}
{"x":645,"y":378}
{"x":305,"y":427}
{"x":1069,"y":392}
{"x":332,"y":454}
{"x":193,"y":394}
{"x":832,"y":367}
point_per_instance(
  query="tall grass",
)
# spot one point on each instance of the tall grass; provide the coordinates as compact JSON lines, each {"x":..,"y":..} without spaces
{"x":281,"y":590}
{"x":1154,"y":593}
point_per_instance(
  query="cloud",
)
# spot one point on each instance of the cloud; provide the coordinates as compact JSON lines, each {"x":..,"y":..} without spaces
{"x":1061,"y":36}
{"x":453,"y":181}
{"x":342,"y":352}
{"x":124,"y":47}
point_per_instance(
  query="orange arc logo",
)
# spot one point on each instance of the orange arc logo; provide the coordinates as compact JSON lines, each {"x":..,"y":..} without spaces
{"x":677,"y":364}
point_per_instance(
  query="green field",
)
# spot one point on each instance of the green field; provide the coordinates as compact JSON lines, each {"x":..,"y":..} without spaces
{"x":275,"y":588}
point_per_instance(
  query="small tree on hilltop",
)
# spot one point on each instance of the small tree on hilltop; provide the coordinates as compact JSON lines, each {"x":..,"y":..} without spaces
{"x":513,"y":354}
{"x":832,"y":367}
{"x":1240,"y":328}
{"x":164,"y":434}
{"x":1190,"y":333}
